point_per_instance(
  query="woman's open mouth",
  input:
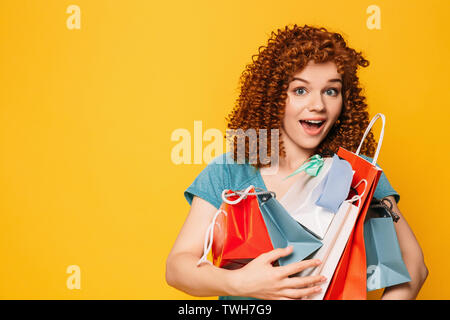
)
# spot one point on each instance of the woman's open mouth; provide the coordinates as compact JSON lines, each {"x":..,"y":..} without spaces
{"x":312,"y":127}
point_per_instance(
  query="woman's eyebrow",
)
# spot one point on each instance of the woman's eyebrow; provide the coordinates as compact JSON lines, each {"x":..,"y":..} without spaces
{"x":331,"y":80}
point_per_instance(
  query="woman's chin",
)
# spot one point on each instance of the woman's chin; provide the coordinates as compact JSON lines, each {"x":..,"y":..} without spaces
{"x":308,"y":146}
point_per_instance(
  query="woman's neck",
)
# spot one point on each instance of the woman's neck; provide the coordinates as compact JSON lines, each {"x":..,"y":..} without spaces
{"x":295,"y":155}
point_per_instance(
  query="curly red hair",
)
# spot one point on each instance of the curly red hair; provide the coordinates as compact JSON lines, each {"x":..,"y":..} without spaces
{"x":265,"y":81}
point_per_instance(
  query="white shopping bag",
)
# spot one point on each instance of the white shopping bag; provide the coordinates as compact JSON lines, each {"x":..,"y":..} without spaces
{"x":299,"y":196}
{"x":334,"y":243}
{"x":301,"y":200}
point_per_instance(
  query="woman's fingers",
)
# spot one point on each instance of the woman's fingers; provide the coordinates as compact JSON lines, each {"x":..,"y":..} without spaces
{"x":303,"y":282}
{"x":276,"y":254}
{"x":278,"y":281}
{"x":300,"y":293}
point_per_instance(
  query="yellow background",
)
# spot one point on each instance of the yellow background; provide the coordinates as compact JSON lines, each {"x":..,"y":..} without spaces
{"x":86,"y":118}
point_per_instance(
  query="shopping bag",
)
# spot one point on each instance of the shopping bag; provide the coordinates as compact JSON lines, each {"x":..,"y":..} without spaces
{"x":333,"y":244}
{"x":385,"y":265}
{"x":285,"y":231}
{"x":314,"y":200}
{"x":237,"y":233}
{"x":349,"y":279}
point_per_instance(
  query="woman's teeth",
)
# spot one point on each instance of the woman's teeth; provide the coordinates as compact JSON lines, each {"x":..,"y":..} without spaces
{"x":312,"y":127}
{"x":316,"y":123}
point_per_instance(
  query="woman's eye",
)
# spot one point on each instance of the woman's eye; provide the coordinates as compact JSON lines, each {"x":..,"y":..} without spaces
{"x":332,"y":92}
{"x":300,"y":91}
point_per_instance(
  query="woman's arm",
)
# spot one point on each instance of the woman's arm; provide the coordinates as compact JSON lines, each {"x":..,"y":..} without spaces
{"x":413,"y":258}
{"x":181,"y":269}
{"x":257,"y":279}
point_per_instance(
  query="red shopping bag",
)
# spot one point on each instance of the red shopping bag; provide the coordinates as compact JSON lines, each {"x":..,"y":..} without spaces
{"x":240,"y":233}
{"x":349,"y":279}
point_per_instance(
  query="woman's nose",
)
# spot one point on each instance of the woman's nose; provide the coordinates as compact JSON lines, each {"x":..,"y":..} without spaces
{"x":316,"y":104}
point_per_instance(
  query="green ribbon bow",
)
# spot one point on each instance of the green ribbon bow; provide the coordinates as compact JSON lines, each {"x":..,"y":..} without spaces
{"x":311,"y":167}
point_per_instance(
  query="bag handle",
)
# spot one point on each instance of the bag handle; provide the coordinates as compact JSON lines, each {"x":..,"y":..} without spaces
{"x":209,"y":236}
{"x":243,"y":194}
{"x":380,"y":140}
{"x":385,"y":204}
{"x":358,"y":196}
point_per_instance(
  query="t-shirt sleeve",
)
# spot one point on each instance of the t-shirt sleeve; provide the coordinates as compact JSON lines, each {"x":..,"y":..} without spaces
{"x":384,"y":187}
{"x":209,"y":183}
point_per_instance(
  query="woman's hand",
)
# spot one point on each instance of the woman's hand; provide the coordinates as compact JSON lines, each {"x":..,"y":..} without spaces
{"x":257,"y":279}
{"x":260,"y":279}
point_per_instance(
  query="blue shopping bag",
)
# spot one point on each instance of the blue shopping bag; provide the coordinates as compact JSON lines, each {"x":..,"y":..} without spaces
{"x":284,"y":230}
{"x":385,"y":266}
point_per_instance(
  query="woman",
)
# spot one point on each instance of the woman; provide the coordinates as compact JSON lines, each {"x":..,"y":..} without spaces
{"x":303,"y":83}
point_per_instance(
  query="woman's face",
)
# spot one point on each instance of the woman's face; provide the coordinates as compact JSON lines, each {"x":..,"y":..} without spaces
{"x":314,"y":94}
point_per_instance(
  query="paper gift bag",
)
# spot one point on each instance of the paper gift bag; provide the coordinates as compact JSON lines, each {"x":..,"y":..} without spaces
{"x":349,"y":279}
{"x":284,"y":230}
{"x":237,"y":233}
{"x":333,"y":245}
{"x":385,"y":266}
{"x":314,"y":200}
{"x":299,"y":200}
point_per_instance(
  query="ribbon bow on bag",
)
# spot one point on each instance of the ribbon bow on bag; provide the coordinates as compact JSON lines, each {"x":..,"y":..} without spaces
{"x":311,"y":167}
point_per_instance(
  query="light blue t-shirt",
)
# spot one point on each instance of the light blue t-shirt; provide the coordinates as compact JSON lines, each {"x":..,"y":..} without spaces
{"x":224,"y":173}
